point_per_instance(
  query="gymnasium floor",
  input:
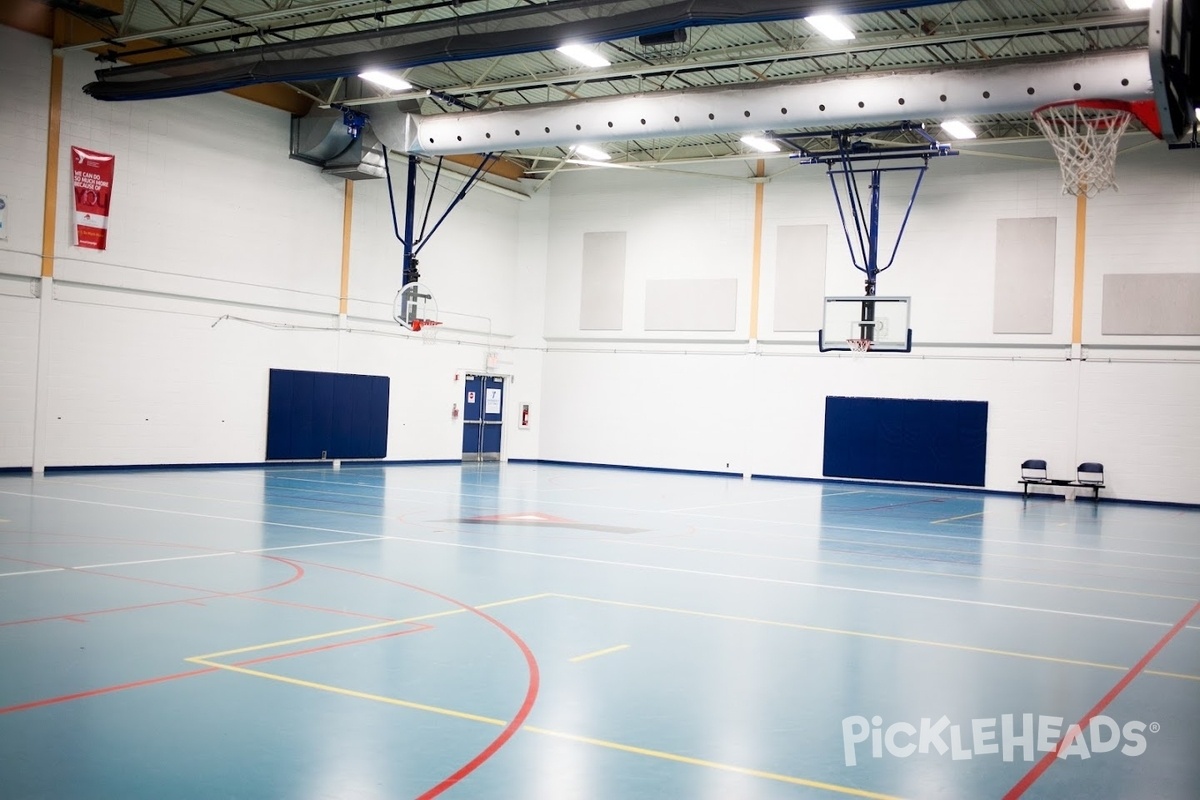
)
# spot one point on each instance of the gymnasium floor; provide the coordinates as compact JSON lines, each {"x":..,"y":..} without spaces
{"x":532,"y":631}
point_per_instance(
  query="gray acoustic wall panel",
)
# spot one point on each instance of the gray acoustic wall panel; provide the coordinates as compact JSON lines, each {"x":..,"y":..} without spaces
{"x":1024,"y":294}
{"x":602,"y":295}
{"x":1163,"y":303}
{"x":693,"y":304}
{"x":800,"y":258}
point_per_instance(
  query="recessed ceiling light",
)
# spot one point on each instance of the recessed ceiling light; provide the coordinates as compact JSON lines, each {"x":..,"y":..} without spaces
{"x":385,"y":80}
{"x":584,"y":55}
{"x":591,"y":153}
{"x":1138,"y":5}
{"x":760,"y":144}
{"x":957,"y":129}
{"x":831,"y":26}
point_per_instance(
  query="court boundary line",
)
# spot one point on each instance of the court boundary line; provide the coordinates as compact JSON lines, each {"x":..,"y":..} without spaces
{"x":731,"y":576}
{"x":868,"y":635}
{"x":787,"y":582}
{"x":818,"y":526}
{"x":1076,"y":730}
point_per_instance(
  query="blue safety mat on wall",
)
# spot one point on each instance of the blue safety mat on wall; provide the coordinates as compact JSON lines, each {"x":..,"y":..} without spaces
{"x":924,"y":441}
{"x":326,"y":415}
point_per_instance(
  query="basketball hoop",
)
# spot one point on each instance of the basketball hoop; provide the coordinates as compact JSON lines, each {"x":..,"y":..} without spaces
{"x":859,"y":346}
{"x":1085,"y":135}
{"x":427,"y":328}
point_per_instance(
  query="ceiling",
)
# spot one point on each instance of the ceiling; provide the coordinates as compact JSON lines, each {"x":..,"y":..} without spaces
{"x":465,"y":55}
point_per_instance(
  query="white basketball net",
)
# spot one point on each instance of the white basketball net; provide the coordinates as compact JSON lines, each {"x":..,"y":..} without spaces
{"x":859,"y":346}
{"x":1085,"y":141}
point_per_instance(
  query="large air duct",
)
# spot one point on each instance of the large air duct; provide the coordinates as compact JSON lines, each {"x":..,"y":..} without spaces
{"x":841,"y":102}
{"x":324,"y":139}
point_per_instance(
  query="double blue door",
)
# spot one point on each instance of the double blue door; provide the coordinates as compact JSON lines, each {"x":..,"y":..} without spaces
{"x":483,"y":414}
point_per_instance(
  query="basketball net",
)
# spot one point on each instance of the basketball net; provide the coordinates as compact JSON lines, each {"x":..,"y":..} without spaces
{"x":427,"y":328}
{"x":859,"y":347}
{"x":1085,"y":136}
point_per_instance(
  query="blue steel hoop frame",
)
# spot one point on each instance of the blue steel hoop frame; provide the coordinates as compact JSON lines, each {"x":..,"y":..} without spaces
{"x":844,"y":162}
{"x":412,"y":241}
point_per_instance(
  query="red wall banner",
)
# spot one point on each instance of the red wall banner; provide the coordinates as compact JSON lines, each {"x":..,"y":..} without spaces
{"x":92,"y":176}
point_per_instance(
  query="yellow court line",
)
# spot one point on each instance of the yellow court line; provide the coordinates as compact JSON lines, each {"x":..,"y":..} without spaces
{"x":392,"y":701}
{"x":449,"y":712}
{"x":603,"y":652}
{"x":700,"y":762}
{"x":361,"y":628}
{"x":879,"y":636}
{"x":952,"y":519}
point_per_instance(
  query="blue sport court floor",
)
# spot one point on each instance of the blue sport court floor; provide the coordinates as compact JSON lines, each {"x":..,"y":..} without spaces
{"x":536,"y":631}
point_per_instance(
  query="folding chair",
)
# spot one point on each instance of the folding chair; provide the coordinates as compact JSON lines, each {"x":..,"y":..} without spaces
{"x":1033,"y":470}
{"x":1090,"y":474}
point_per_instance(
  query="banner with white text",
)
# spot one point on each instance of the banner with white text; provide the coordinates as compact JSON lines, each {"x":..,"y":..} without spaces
{"x":92,"y":177}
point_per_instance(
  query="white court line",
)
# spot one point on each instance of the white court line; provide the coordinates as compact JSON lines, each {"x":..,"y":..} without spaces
{"x":313,"y":544}
{"x":189,"y":557}
{"x":659,"y":568}
{"x":876,"y":567}
{"x":154,"y":560}
{"x":891,"y":532}
{"x":369,"y":536}
{"x":786,"y":582}
{"x":32,"y":572}
{"x":238,"y":501}
{"x":960,"y":516}
{"x":760,"y":501}
{"x":628,"y":509}
{"x":198,"y":514}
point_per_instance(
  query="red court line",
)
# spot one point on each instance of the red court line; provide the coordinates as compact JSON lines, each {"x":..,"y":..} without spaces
{"x":420,"y":628}
{"x":206,"y":594}
{"x":65,"y":698}
{"x":50,"y":701}
{"x":1047,"y":760}
{"x":531,"y":691}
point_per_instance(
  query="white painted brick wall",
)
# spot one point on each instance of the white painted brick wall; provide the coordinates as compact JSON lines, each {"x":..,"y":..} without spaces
{"x":24,"y":104}
{"x":764,"y":413}
{"x":211,"y":219}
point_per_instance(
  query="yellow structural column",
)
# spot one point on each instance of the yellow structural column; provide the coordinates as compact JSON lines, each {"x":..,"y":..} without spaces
{"x":760,"y":172}
{"x":347,"y":220}
{"x":1080,"y":240}
{"x":53,"y":132}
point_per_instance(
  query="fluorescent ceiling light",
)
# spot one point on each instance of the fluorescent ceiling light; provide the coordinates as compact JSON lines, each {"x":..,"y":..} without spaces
{"x":957,"y":129}
{"x":584,"y":55}
{"x":832,"y":27}
{"x":591,"y":153}
{"x":385,"y":80}
{"x":1138,"y":5}
{"x":760,"y":144}
{"x":1198,"y":115}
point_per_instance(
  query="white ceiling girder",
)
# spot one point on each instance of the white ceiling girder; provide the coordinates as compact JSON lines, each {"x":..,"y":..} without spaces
{"x":837,"y":103}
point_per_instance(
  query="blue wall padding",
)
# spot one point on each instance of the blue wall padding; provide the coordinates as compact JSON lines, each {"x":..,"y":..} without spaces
{"x":924,"y":441}
{"x":326,"y":415}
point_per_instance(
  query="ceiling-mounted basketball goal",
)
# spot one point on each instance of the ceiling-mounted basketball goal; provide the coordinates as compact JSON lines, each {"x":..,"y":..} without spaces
{"x":871,"y":322}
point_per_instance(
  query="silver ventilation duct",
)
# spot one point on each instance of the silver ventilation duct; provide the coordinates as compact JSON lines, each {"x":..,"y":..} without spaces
{"x":324,"y":139}
{"x":833,"y":103}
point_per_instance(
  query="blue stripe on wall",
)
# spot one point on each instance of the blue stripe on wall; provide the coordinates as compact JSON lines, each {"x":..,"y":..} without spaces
{"x":923,"y":441}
